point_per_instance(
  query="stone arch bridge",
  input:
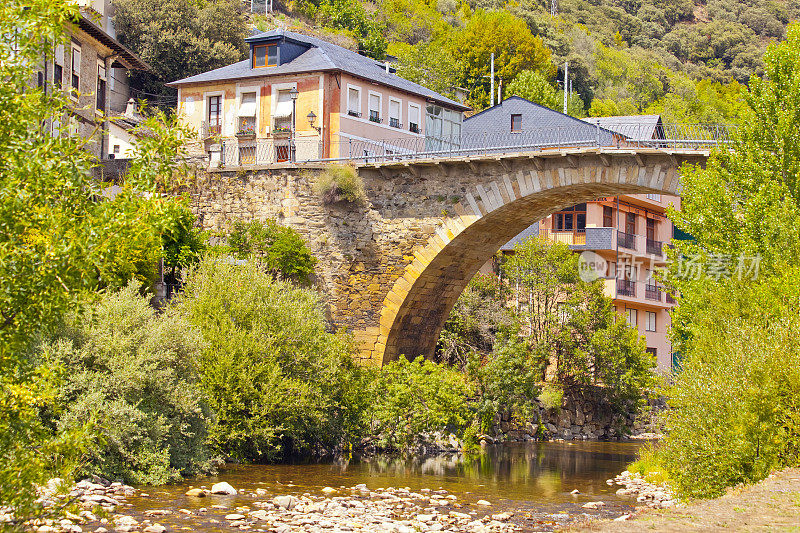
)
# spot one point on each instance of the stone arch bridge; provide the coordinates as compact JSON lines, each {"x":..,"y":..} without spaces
{"x":393,"y":267}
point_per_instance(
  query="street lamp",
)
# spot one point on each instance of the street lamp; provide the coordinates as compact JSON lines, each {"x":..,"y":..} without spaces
{"x":311,"y":118}
{"x":292,"y":148}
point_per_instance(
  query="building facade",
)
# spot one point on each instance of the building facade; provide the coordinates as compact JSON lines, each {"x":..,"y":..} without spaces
{"x":91,"y":69}
{"x":301,"y":98}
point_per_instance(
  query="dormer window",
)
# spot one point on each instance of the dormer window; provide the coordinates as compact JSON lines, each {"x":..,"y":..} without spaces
{"x":265,"y":55}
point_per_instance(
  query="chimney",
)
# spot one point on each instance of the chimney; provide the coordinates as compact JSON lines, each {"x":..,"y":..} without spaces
{"x":132,"y":109}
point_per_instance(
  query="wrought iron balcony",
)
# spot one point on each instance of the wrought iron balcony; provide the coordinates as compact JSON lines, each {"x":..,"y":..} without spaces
{"x":626,"y":240}
{"x":626,"y":287}
{"x":655,"y":247}
{"x":652,"y":292}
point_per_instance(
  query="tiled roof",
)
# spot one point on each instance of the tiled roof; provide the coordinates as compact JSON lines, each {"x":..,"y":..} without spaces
{"x":321,"y":56}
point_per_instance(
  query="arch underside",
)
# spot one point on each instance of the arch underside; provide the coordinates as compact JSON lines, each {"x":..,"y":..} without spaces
{"x":421,"y":300}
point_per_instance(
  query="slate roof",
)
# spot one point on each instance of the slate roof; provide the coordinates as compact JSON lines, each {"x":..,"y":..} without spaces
{"x":540,"y":126}
{"x":320,"y":56}
{"x":634,"y":127}
{"x":530,"y":231}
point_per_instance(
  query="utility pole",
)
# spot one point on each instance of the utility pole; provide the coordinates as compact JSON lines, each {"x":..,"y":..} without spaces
{"x":553,"y":8}
{"x":500,"y":91}
{"x":491,"y":75}
{"x":566,"y":84}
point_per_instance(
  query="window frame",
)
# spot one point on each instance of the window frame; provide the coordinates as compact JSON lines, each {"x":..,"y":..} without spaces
{"x":240,"y":92}
{"x":266,"y":55}
{"x":357,"y":113}
{"x":630,"y":221}
{"x":207,"y":108}
{"x":75,"y":76}
{"x":648,"y":315}
{"x":632,"y":312}
{"x":419,"y":118}
{"x":104,"y":79}
{"x":608,"y":217}
{"x":399,"y":117}
{"x":513,"y":116}
{"x":379,"y":117}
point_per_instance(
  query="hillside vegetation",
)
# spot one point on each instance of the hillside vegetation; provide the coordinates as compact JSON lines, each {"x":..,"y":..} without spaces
{"x":683,"y":59}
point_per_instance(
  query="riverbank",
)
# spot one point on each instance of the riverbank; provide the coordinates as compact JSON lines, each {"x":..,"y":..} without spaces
{"x":770,"y":505}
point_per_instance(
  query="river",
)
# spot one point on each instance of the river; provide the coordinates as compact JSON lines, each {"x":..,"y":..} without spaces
{"x":534,"y":481}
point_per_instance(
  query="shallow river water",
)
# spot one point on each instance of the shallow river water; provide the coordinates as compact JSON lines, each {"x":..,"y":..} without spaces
{"x":534,"y":480}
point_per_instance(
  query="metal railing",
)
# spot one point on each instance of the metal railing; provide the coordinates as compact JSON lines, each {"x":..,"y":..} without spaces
{"x":409,"y":146}
{"x":626,"y":288}
{"x":654,"y":247}
{"x":626,"y":240}
{"x":652,"y":292}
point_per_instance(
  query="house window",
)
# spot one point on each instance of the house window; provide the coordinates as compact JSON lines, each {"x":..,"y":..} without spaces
{"x":652,"y":351}
{"x":608,"y":216}
{"x":651,"y":229}
{"x":375,"y":107}
{"x":516,"y":123}
{"x":632,"y":317}
{"x":650,"y":321}
{"x":442,"y":128}
{"x":654,"y":197}
{"x":76,"y":68}
{"x":413,"y":118}
{"x":101,"y":87}
{"x":283,"y":112}
{"x":247,"y":113}
{"x":354,"y":101}
{"x":563,"y":221}
{"x":630,"y":223}
{"x":394,"y":113}
{"x":265,"y":55}
{"x":58,"y":75}
{"x":214,"y":115}
{"x":572,"y":218}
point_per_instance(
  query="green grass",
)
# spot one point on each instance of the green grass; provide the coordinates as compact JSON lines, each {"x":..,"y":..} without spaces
{"x":649,"y":466}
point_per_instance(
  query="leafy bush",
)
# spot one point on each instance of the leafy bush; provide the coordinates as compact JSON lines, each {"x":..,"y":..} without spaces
{"x":277,"y":381}
{"x":133,"y":374}
{"x":551,"y":397}
{"x":736,"y":404}
{"x":279,"y":249}
{"x":412,"y":399}
{"x":182,"y":242}
{"x":340,"y":183}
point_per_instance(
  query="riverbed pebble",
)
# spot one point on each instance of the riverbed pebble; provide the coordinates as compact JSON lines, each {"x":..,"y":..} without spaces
{"x":223,"y":487}
{"x":654,"y":495}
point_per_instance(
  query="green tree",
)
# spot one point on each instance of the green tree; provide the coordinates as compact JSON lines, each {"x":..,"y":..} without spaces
{"x":278,"y":249}
{"x":414,"y":399}
{"x":278,"y":382}
{"x":182,"y":242}
{"x":132,"y":373}
{"x":179,"y":39}
{"x":515,"y":49}
{"x":58,"y":242}
{"x":430,"y":64}
{"x":353,"y":19}
{"x":737,"y":397}
{"x":534,"y":86}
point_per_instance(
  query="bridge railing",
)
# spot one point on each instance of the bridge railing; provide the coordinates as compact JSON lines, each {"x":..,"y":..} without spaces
{"x":239,"y":152}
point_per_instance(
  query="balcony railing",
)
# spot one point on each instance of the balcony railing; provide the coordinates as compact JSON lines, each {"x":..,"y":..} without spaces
{"x":395,"y":123}
{"x":654,"y":247}
{"x":671,"y":299}
{"x":569,"y":237}
{"x":626,"y":288}
{"x":652,"y":292}
{"x":626,"y":240}
{"x":375,"y":117}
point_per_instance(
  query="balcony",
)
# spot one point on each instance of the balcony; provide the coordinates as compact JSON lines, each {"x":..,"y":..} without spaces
{"x":652,"y":292}
{"x":671,"y":299}
{"x":570,"y":238}
{"x":626,"y":240}
{"x":375,"y":117}
{"x":626,"y":287}
{"x":654,"y":247}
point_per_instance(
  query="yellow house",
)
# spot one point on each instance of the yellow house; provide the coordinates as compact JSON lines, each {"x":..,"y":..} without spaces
{"x":299,"y":98}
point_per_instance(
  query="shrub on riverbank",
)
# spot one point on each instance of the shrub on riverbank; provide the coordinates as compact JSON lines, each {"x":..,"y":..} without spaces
{"x":417,"y":399}
{"x":735,"y":413}
{"x":131,"y":374}
{"x":277,"y":381}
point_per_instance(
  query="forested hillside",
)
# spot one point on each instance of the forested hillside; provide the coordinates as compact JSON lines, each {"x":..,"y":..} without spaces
{"x":684,"y":59}
{"x":681,"y":58}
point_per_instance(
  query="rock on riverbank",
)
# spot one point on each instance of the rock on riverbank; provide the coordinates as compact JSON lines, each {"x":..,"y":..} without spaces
{"x":651,"y":494}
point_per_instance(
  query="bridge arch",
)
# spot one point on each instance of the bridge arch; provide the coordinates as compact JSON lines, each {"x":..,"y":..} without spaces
{"x":527,"y":189}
